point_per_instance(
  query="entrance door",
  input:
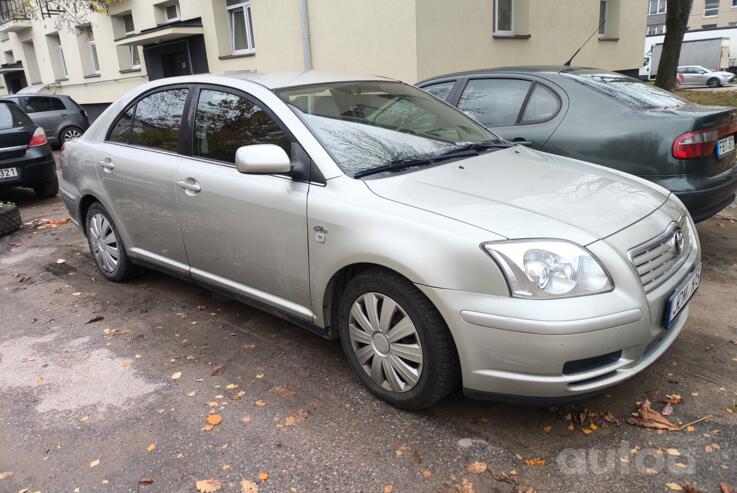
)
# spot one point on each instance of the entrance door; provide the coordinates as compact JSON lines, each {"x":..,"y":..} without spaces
{"x":176,"y":63}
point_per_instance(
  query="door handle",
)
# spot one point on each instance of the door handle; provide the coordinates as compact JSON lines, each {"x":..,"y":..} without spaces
{"x":189,"y":185}
{"x":106,"y":164}
{"x":521,"y":141}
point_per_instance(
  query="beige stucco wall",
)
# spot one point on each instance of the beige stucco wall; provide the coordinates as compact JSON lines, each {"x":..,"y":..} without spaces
{"x":455,"y":36}
{"x":727,"y":14}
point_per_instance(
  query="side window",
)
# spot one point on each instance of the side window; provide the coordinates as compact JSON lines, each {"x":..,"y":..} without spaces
{"x":542,"y":105}
{"x":494,"y":102}
{"x":157,"y":120}
{"x":440,"y":90}
{"x":57,"y":104}
{"x":121,"y":131}
{"x":224,"y":122}
{"x":37,"y":104}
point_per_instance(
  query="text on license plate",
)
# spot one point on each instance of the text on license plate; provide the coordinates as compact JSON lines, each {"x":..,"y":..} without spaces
{"x":683,"y":294}
{"x":725,"y":146}
{"x":8,"y":173}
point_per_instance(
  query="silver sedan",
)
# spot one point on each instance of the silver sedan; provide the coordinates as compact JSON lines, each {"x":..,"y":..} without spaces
{"x":369,"y":211}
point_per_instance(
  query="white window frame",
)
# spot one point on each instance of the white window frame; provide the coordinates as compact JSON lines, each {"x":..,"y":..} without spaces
{"x":661,"y":7}
{"x":94,"y":56}
{"x":179,"y":12}
{"x":133,"y":49}
{"x":245,"y":6}
{"x":715,"y":10}
{"x":655,"y":29}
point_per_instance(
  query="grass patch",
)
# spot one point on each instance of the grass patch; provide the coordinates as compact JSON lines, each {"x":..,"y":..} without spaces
{"x":713,"y":98}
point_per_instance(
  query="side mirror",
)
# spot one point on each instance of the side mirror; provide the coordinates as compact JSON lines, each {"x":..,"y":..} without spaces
{"x":262,"y":159}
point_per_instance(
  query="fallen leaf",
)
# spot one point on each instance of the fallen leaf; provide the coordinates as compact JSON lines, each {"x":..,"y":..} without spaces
{"x":231,"y":386}
{"x":95,"y":319}
{"x":217,"y":370}
{"x":208,"y":485}
{"x":77,"y":293}
{"x":94,"y":463}
{"x":689,"y":487}
{"x":40,"y":379}
{"x":711,"y":447}
{"x":401,"y":450}
{"x":191,"y":394}
{"x":548,"y":429}
{"x":246,"y":419}
{"x":426,"y":473}
{"x":672,"y":452}
{"x":6,"y":474}
{"x":726,"y":488}
{"x":226,"y":467}
{"x":260,"y":403}
{"x":505,"y":477}
{"x":476,"y":467}
{"x":60,"y":261}
{"x":263,"y":476}
{"x":283,"y":391}
{"x":84,"y":419}
{"x":535,"y":461}
{"x":667,"y":409}
{"x":125,"y":364}
{"x":248,"y":486}
{"x":214,"y":419}
{"x":177,"y":375}
{"x":248,"y":346}
{"x":649,"y":418}
{"x":151,"y":447}
{"x":388,"y":488}
{"x":146,"y":481}
{"x":674,"y":487}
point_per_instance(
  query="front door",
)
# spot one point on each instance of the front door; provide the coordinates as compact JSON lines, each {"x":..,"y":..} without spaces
{"x":137,"y":167}
{"x":244,"y":233}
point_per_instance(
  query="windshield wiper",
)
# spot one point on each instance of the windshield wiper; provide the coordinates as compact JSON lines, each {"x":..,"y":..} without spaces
{"x":394,"y":166}
{"x":478,"y":147}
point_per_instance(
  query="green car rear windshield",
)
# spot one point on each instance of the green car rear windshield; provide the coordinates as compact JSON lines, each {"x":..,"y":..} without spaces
{"x":627,"y":90}
{"x":369,"y":124}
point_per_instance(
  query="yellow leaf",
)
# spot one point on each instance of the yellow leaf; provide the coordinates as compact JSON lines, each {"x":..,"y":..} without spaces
{"x":248,"y":486}
{"x":208,"y":485}
{"x":226,"y":467}
{"x":672,"y":451}
{"x":263,"y":475}
{"x":548,"y":429}
{"x":476,"y":467}
{"x":426,"y":473}
{"x":536,"y":461}
{"x":260,"y":403}
{"x":246,"y":419}
{"x":151,"y":447}
{"x":388,"y":488}
{"x":231,"y":386}
{"x":674,"y":487}
{"x":125,"y":364}
{"x":94,"y":463}
{"x":214,"y":419}
{"x":191,"y":394}
{"x":84,"y":419}
{"x":6,"y":475}
{"x":177,"y":375}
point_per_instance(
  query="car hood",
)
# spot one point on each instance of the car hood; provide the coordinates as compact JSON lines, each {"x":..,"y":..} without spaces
{"x":522,"y":193}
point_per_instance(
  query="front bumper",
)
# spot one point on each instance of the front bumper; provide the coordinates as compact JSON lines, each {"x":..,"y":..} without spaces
{"x":563,"y":349}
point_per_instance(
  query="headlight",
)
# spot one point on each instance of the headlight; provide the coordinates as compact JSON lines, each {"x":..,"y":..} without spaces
{"x":548,"y":268}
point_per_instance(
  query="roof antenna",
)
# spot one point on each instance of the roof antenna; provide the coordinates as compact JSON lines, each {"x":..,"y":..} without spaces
{"x":568,"y":63}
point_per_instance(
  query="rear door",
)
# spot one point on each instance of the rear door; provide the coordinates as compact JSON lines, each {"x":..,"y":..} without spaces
{"x":245,"y":233}
{"x":47,"y":112}
{"x":137,"y":167}
{"x":521,"y":109}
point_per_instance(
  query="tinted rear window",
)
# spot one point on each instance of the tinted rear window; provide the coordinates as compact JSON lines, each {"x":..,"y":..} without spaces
{"x":12,"y":116}
{"x":627,"y":90}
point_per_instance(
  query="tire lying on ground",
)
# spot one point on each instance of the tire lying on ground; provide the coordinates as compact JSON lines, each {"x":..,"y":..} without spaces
{"x":9,"y":218}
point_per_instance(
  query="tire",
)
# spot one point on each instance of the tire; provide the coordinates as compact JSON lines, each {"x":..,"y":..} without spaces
{"x":713,"y":82}
{"x":47,"y":190}
{"x":113,"y":269}
{"x":438,"y":372}
{"x":70,"y":133}
{"x":9,"y":218}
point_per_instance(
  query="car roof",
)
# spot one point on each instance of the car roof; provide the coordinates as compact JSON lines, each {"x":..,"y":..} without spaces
{"x":278,"y":80}
{"x":523,"y":69}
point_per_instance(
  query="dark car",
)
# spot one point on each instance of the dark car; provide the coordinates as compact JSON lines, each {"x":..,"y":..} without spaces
{"x":609,"y":119}
{"x":25,"y":154}
{"x":60,"y":116}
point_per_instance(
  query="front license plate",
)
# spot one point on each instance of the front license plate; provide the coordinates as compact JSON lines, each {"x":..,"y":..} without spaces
{"x":725,"y":146}
{"x":8,"y":173}
{"x":682,"y":295}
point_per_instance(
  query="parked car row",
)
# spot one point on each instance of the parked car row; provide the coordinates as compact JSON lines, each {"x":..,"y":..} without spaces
{"x":438,"y":252}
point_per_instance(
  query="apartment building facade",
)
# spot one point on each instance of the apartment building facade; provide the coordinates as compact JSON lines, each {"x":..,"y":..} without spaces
{"x":140,"y":40}
{"x":705,"y":15}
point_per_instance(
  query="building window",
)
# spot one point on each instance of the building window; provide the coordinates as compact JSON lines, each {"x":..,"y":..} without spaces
{"x":658,"y":7}
{"x":504,"y":16}
{"x":130,"y":29}
{"x":128,"y":25}
{"x":708,"y":26}
{"x":711,"y":8}
{"x":95,"y":62}
{"x":63,"y":62}
{"x":734,"y":3}
{"x":603,"y":13}
{"x":171,"y":12}
{"x":241,"y":26}
{"x":654,"y":29}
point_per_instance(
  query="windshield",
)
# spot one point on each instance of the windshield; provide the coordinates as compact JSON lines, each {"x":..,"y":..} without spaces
{"x":374,"y":124}
{"x":627,"y":90}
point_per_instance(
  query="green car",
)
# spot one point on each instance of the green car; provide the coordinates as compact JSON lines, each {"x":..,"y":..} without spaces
{"x":609,"y":119}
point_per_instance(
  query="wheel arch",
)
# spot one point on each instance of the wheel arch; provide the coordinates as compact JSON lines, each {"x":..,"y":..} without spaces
{"x":85,"y":201}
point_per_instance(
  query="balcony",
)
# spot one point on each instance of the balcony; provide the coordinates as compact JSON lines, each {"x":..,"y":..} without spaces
{"x":13,"y":16}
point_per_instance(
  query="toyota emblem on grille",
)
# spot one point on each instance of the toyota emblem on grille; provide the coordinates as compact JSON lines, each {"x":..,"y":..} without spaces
{"x":678,"y":241}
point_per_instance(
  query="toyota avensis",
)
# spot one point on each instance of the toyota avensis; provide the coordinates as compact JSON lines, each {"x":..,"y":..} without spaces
{"x":369,"y":211}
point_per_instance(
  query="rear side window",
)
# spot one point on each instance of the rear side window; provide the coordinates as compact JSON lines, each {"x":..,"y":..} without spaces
{"x":494,"y":102}
{"x":12,"y":116}
{"x":157,"y":120}
{"x":440,"y":90}
{"x":224,"y":122}
{"x":542,"y":105}
{"x":121,"y":131}
{"x":38,"y":104}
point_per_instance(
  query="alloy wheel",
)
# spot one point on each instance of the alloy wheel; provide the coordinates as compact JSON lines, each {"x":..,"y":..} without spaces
{"x":71,"y":134}
{"x":385,"y":342}
{"x":104,"y":243}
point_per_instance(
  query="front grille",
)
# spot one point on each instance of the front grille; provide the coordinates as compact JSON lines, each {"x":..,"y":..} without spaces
{"x":656,"y":259}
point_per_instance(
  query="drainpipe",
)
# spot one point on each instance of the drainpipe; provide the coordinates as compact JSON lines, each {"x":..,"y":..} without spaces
{"x":305,"y":21}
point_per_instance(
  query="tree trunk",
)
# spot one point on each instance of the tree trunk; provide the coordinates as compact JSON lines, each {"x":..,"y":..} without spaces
{"x":676,"y":20}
